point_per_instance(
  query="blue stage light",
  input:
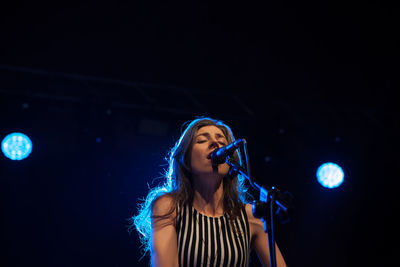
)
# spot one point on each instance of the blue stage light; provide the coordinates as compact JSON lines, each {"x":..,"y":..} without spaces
{"x":16,"y":146}
{"x":330,"y":175}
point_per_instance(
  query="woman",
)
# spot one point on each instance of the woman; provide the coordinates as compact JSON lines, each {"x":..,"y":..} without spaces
{"x":199,"y":217}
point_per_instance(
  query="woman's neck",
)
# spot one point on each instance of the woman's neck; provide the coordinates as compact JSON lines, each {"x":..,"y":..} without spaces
{"x":208,"y":198}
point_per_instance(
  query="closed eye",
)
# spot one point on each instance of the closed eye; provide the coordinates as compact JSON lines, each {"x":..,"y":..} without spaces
{"x":202,"y":141}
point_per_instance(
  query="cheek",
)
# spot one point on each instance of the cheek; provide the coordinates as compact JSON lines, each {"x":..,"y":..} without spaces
{"x":196,"y":158}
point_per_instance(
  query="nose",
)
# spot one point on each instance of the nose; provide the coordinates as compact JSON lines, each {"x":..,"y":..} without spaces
{"x":214,"y":144}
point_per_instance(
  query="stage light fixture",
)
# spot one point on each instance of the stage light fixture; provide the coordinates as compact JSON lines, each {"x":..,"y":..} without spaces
{"x":16,"y":146}
{"x":330,"y":175}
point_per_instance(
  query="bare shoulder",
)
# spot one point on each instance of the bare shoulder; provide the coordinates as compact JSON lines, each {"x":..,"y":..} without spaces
{"x":249,"y":212}
{"x":163,"y":205}
{"x":256,"y":225}
{"x":164,"y":248}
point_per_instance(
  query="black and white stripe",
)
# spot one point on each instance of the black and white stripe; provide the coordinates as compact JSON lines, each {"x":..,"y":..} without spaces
{"x":209,"y":241}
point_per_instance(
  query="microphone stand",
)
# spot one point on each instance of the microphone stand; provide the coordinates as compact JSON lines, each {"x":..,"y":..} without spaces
{"x":271,"y":202}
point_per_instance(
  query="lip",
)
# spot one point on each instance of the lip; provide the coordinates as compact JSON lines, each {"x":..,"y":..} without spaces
{"x":209,"y":155}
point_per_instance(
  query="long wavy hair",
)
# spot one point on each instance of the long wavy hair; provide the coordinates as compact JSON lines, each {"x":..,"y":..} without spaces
{"x":178,"y":182}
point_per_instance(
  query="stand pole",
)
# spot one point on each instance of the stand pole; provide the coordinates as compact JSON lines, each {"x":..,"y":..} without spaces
{"x":271,"y":236}
{"x":268,"y":197}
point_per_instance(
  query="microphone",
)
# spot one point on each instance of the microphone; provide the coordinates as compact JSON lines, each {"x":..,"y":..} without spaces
{"x":219,"y":155}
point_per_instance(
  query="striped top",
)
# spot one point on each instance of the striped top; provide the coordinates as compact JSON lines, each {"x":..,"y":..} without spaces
{"x":212,"y":241}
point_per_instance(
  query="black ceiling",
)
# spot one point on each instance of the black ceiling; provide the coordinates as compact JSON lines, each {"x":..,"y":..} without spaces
{"x":337,"y":55}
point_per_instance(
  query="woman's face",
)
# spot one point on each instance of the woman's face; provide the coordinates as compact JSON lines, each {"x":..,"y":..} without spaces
{"x":206,"y":140}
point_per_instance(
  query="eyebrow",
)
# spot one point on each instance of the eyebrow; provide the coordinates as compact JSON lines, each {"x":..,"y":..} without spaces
{"x":218,"y":135}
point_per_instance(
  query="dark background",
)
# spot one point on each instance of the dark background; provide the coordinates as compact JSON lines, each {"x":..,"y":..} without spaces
{"x":102,"y":89}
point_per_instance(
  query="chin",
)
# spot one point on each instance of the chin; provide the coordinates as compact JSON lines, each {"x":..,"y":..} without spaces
{"x":210,"y":170}
{"x":211,"y":173}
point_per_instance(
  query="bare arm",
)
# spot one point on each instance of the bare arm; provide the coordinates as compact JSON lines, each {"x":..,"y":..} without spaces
{"x":260,"y":241}
{"x":164,"y":248}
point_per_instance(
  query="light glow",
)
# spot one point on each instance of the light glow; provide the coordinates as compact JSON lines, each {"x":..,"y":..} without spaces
{"x":16,"y":146}
{"x":330,"y":175}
